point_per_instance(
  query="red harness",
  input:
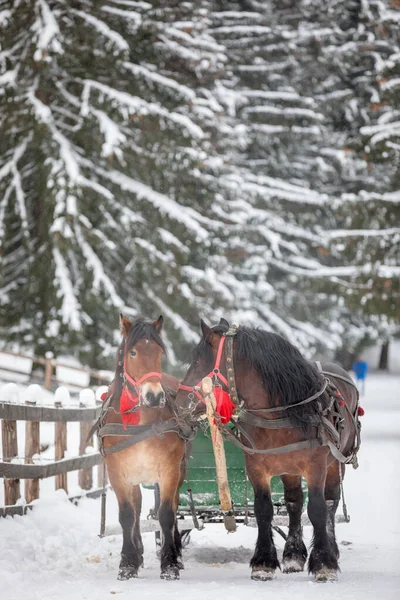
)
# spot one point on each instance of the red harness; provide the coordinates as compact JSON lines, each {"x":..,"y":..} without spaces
{"x":225,"y":406}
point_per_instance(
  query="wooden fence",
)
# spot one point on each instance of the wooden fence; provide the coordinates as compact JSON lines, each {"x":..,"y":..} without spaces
{"x":31,"y":415}
{"x":50,"y":364}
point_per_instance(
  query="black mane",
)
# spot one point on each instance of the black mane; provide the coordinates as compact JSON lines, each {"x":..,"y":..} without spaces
{"x":286,"y":375}
{"x":141,"y":330}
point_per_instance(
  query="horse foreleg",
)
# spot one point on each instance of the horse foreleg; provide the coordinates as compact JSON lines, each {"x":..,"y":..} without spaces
{"x":323,"y":561}
{"x":295,"y":551}
{"x":131,"y":555}
{"x":137,"y":538}
{"x":170,"y":554}
{"x":332,"y":498}
{"x":265,"y":560}
{"x":131,"y":559}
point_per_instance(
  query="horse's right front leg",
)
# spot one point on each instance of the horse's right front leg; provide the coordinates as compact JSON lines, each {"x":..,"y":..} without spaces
{"x":265,"y":560}
{"x":129,"y":517}
{"x":131,"y":559}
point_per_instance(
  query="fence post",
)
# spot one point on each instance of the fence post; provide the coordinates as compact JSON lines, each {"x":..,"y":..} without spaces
{"x":10,"y":449}
{"x":60,"y":436}
{"x":48,"y":370}
{"x":86,"y":399}
{"x":32,"y":446}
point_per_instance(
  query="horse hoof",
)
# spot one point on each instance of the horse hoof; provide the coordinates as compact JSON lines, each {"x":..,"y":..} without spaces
{"x":293,"y":565}
{"x":324,"y":574}
{"x":170,"y":573}
{"x":126,"y":573}
{"x":262,"y":573}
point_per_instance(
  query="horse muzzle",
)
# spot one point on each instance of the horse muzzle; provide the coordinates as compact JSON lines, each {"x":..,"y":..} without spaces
{"x":152,"y":395}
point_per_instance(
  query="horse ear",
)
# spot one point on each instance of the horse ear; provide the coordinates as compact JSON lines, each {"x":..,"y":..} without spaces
{"x":124,"y":325}
{"x":224,"y":323}
{"x":207,"y":331}
{"x":158,"y":325}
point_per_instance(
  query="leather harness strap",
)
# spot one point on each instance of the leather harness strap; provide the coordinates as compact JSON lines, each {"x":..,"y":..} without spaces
{"x":139,"y":433}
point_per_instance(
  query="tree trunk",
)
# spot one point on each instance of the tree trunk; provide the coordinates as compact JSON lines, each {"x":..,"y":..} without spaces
{"x":384,"y":357}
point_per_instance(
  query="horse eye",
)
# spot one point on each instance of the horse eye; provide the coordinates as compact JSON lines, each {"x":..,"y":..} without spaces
{"x":132,"y":353}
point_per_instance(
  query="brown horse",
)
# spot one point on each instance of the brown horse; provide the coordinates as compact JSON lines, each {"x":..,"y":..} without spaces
{"x":289,"y":415}
{"x":136,"y":402}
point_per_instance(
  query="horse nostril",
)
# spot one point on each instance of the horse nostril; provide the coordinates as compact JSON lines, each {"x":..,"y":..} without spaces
{"x":150,"y":399}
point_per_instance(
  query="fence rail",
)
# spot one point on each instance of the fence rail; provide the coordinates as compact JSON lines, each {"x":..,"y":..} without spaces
{"x":32,"y":415}
{"x":50,"y":364}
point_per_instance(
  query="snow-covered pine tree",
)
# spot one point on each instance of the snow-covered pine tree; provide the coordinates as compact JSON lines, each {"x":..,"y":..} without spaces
{"x":104,"y":132}
{"x":367,"y":233}
{"x":300,"y":84}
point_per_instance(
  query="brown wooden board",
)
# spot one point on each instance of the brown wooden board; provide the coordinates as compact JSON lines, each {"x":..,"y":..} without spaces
{"x":20,"y":412}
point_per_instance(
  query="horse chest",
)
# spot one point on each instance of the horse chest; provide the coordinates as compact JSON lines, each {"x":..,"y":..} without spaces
{"x":140,"y":464}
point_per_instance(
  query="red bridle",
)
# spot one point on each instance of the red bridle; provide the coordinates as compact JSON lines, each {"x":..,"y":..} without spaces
{"x":136,"y":383}
{"x":215,"y":373}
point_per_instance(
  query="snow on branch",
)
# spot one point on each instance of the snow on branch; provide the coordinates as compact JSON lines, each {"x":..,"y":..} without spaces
{"x":179,"y":323}
{"x":100,"y":26}
{"x":278,"y":324}
{"x":365,"y":196}
{"x":126,"y":14}
{"x":182,"y":90}
{"x":331,"y":341}
{"x":20,"y":196}
{"x":136,"y":105}
{"x":270,"y":187}
{"x":381,"y":132}
{"x":7,"y":168}
{"x":113,"y":136}
{"x":67,"y":154}
{"x":385,"y":271}
{"x":185,"y":215}
{"x":291,"y":112}
{"x":133,"y":4}
{"x":342,"y":233}
{"x":70,"y":309}
{"x":8,"y":78}
{"x":99,"y":276}
{"x":208,"y":44}
{"x":279,"y":96}
{"x":47,"y":32}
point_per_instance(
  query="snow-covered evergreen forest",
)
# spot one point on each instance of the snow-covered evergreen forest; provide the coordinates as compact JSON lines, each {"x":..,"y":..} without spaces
{"x":198,"y":158}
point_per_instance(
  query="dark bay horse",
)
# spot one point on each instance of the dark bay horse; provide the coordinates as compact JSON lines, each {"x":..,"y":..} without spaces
{"x":137,"y":401}
{"x":265,"y":374}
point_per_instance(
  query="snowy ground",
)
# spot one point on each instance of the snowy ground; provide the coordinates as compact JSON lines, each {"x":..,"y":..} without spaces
{"x":54,"y":552}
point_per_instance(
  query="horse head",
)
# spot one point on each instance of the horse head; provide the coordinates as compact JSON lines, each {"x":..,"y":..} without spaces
{"x":140,"y":360}
{"x":206,"y":362}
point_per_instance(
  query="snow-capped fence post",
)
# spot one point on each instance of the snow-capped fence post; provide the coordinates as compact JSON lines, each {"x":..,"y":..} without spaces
{"x":48,"y":370}
{"x":86,"y":400}
{"x":32,"y":443}
{"x":60,"y":436}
